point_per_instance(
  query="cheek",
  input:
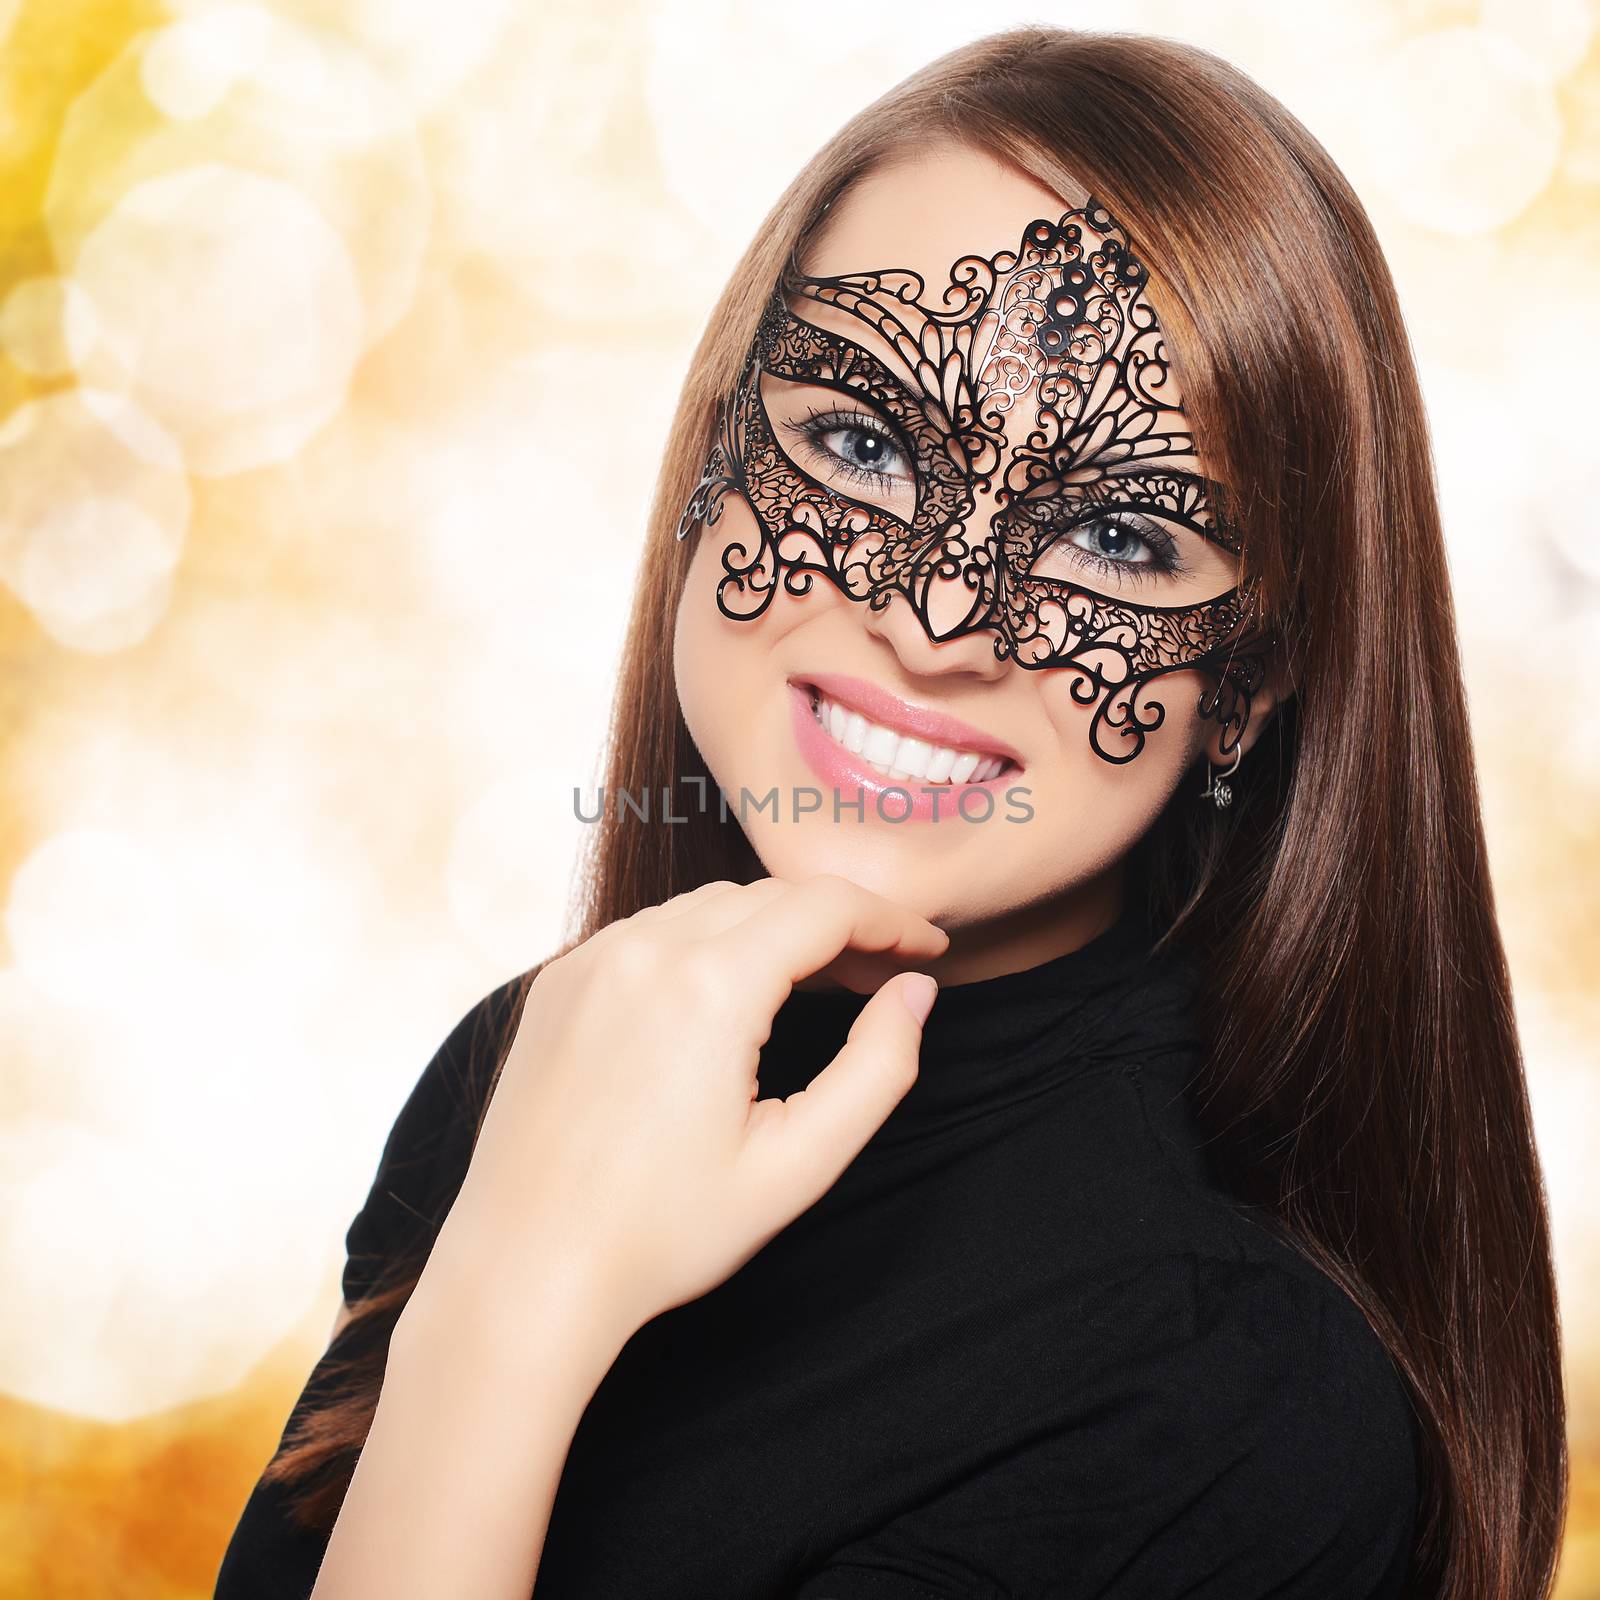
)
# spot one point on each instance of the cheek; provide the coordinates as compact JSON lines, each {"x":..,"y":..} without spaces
{"x":1087,"y":812}
{"x":715,"y":657}
{"x":701,"y":645}
{"x":1103,"y":805}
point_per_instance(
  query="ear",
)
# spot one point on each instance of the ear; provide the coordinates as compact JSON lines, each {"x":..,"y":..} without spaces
{"x":1276,"y":687}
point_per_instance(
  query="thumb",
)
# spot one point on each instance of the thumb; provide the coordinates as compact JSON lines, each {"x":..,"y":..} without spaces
{"x":814,"y":1135}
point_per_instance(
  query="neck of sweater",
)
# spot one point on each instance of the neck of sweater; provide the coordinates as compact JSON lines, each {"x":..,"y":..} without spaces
{"x":997,"y":1041}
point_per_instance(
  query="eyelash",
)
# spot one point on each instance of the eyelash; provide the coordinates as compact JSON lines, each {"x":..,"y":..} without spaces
{"x":814,"y":427}
{"x":1163,"y":547}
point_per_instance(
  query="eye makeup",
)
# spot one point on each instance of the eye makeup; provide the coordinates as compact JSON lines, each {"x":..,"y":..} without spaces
{"x":1006,"y":446}
{"x":868,"y":452}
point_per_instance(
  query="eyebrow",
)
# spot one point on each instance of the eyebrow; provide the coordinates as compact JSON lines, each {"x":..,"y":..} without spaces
{"x":860,"y":397}
{"x":916,"y":400}
{"x":920,"y":400}
{"x":1156,"y":464}
{"x":883,"y":348}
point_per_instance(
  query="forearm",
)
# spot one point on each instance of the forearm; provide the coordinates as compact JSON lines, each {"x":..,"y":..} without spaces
{"x":481,"y":1397}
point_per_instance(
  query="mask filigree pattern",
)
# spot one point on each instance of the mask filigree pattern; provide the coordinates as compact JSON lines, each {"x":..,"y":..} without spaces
{"x":1030,"y":404}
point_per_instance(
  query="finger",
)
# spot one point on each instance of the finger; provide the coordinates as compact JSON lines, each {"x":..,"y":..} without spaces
{"x":714,"y":907}
{"x":796,"y":1149}
{"x":713,"y":913}
{"x":687,"y":900}
{"x":860,"y":971}
{"x":805,"y":928}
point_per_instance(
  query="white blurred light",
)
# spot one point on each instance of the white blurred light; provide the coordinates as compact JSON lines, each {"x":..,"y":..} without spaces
{"x":510,"y":867}
{"x":422,"y":50}
{"x":43,"y":1035}
{"x":72,"y":1199}
{"x":1573,"y":640}
{"x":1564,"y":1092}
{"x":229,"y":308}
{"x":1503,"y":578}
{"x":162,"y":1027}
{"x":191,"y":66}
{"x":242,"y":88}
{"x":227,"y":829}
{"x":724,"y":160}
{"x":425,"y":51}
{"x":284,"y":662}
{"x":1457,"y":173}
{"x":280,"y":64}
{"x":518,"y":544}
{"x":47,"y":326}
{"x":90,"y":918}
{"x":94,"y":510}
{"x":1563,"y":507}
{"x":266,"y":887}
{"x":147,"y":1261}
{"x":1580,"y":157}
{"x":1549,"y":37}
{"x":96,"y":573}
{"x":776,"y":82}
{"x":573,"y":241}
{"x":116,"y":1263}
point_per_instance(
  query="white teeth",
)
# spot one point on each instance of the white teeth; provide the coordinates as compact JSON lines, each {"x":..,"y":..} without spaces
{"x":911,"y":759}
{"x":899,"y":755}
{"x":881,"y":744}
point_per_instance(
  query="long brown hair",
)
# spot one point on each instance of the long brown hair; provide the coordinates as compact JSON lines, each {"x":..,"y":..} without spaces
{"x":1364,"y":1082}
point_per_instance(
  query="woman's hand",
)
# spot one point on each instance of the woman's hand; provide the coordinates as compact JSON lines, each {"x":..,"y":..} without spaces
{"x":624,"y":1155}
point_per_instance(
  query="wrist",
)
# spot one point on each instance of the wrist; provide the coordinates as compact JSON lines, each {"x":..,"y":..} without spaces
{"x":511,"y":1308}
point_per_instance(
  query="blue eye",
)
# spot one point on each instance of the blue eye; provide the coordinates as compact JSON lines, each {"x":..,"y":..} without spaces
{"x":1119,"y":544}
{"x":862,"y":447}
{"x":856,"y":446}
{"x":1115,"y":541}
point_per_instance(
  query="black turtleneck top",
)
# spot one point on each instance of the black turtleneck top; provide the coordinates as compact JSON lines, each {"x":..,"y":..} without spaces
{"x":1025,"y":1346}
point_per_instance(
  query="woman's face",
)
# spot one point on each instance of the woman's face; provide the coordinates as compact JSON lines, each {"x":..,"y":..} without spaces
{"x":1008,"y":827}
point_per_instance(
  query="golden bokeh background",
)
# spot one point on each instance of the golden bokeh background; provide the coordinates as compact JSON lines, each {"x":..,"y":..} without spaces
{"x":338,"y":340}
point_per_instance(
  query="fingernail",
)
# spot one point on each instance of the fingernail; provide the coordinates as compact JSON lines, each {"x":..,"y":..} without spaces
{"x":918,"y":991}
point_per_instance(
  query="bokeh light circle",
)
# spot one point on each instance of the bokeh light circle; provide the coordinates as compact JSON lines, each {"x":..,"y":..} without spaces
{"x":241,"y":363}
{"x":47,"y":325}
{"x":1461,"y":175}
{"x":94,"y":512}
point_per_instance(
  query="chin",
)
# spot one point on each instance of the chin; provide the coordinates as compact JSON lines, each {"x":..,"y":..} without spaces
{"x":869,"y":857}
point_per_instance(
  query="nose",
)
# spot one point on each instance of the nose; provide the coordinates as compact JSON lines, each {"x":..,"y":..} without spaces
{"x":969,"y":655}
{"x":949,"y":602}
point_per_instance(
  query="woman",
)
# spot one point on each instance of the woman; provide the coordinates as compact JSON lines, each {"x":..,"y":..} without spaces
{"x":1055,"y":445}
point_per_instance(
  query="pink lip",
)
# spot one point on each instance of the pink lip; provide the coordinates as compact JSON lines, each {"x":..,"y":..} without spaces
{"x":878,"y":705}
{"x":848,"y":776}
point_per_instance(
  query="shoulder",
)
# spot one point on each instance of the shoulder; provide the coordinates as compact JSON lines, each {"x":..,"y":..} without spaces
{"x":1307,"y":1360}
{"x":429,"y":1143}
{"x":1231,"y":1429}
{"x":1242,"y":1289}
{"x":1242,"y":1415}
{"x":1344,"y":1446}
{"x":1264,"y":1343}
{"x":1297,"y":1425}
{"x":450,"y":1091}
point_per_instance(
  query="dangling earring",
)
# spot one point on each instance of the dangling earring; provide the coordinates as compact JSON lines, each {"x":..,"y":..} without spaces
{"x":1221,"y":794}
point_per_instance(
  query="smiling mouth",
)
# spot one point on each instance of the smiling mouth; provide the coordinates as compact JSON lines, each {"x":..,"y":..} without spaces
{"x":896,"y":754}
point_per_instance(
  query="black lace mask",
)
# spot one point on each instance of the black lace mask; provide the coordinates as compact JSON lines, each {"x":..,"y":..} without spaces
{"x":1004,"y":460}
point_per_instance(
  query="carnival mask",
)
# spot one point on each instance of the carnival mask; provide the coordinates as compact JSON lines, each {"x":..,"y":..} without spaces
{"x":1005,"y":458}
